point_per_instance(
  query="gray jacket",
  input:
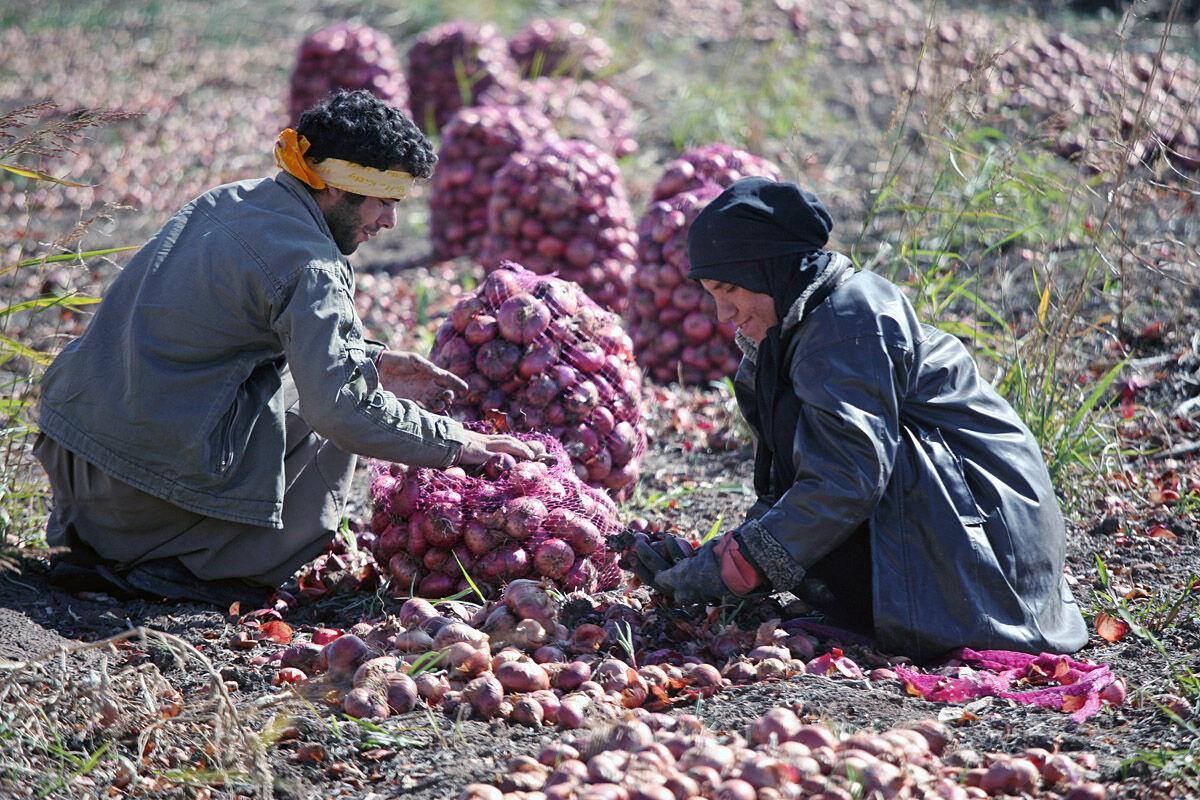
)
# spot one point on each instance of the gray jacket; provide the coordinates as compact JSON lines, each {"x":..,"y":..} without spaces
{"x":896,"y":428}
{"x":175,"y":386}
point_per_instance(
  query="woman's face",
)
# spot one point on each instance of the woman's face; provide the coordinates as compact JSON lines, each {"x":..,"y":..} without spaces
{"x":753,"y":313}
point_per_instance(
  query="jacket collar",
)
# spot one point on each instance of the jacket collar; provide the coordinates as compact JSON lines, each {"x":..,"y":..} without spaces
{"x":305,"y":197}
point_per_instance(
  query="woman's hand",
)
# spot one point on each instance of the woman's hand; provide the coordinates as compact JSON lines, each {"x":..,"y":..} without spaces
{"x":413,"y":377}
{"x":479,"y":447}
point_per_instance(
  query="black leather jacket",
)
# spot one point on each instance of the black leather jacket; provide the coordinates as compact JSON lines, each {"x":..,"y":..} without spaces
{"x":894,"y":427}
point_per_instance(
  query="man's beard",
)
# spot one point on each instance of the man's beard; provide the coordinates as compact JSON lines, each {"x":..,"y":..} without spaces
{"x":344,"y":225}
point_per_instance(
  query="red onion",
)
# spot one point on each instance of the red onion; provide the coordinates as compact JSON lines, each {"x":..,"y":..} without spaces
{"x":345,"y":55}
{"x":448,"y":56}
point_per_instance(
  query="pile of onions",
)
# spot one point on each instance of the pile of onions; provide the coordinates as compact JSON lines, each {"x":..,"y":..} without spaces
{"x":673,"y":320}
{"x":512,"y":520}
{"x":557,"y":46}
{"x":451,"y":60}
{"x":1053,"y":82}
{"x":539,"y":350}
{"x":721,"y":164}
{"x":593,"y":112}
{"x":563,"y":209}
{"x":345,"y":55}
{"x":476,"y":142}
{"x":661,"y":757}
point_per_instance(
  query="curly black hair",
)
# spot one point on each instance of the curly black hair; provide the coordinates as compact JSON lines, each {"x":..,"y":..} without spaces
{"x":359,"y":127}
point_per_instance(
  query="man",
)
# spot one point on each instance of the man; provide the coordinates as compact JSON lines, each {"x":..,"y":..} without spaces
{"x":201,"y":436}
{"x":897,"y":492}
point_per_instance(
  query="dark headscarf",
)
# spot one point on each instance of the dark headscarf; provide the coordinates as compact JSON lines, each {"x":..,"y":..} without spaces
{"x":758,"y":234}
{"x":767,"y":237}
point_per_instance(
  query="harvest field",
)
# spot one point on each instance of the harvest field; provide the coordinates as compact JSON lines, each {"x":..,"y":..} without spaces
{"x":1028,"y":172}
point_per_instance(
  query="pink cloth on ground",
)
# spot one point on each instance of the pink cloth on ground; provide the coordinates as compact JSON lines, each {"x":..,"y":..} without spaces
{"x":1066,"y":684}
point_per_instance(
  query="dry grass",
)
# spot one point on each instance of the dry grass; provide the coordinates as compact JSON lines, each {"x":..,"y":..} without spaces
{"x":65,"y":726}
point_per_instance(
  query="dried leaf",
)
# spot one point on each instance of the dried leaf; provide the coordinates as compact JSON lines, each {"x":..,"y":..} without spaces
{"x":310,"y":752}
{"x":1110,"y":628}
{"x":954,"y":716}
{"x":1073,"y":702}
{"x":1161,"y":532}
{"x":277,"y":631}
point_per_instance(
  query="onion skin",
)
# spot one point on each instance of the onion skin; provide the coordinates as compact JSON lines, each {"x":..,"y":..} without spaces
{"x":343,"y":655}
{"x":364,"y":704}
{"x":480,"y":791}
{"x":522,"y":676}
{"x":527,"y":711}
{"x":485,"y":695}
{"x":402,"y":693}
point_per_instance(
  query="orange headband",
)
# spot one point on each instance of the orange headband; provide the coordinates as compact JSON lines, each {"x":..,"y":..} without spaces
{"x":290,"y":148}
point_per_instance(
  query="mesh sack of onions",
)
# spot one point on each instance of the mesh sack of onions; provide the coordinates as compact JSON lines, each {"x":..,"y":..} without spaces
{"x":476,"y":142}
{"x":450,"y":65}
{"x":593,"y":112}
{"x":672,"y":320}
{"x":558,"y":46}
{"x":563,"y":209}
{"x":537,"y":349}
{"x":721,"y":164}
{"x":503,"y":521}
{"x":345,"y":56}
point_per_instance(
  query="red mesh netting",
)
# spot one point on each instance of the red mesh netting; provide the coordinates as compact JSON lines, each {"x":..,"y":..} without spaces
{"x":539,"y":351}
{"x":345,"y":55}
{"x":499,"y":522}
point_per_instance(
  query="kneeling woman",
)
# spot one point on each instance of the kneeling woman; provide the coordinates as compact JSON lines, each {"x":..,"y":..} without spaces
{"x":897,"y":492}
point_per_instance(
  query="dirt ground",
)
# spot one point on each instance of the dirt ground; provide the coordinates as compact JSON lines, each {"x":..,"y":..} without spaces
{"x":427,"y":755}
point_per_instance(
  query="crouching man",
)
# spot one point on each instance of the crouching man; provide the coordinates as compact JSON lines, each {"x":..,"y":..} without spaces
{"x":200,"y":437}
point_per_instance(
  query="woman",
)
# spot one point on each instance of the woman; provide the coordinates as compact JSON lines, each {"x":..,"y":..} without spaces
{"x":897,"y":492}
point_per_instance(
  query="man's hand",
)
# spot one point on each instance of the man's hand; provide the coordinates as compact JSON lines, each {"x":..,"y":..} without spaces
{"x":413,"y":377}
{"x":479,"y":447}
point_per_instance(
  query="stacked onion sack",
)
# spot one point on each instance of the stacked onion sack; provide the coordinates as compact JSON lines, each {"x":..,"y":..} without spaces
{"x":539,"y":350}
{"x":510,"y":520}
{"x":450,"y":59}
{"x":593,"y":112}
{"x":563,"y":209}
{"x":558,"y":46}
{"x":1077,"y":93}
{"x":672,"y":320}
{"x":345,"y":56}
{"x":721,"y":164}
{"x":476,"y":142}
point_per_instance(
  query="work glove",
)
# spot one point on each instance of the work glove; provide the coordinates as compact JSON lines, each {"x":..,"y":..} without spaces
{"x":717,"y":570}
{"x":650,"y":558}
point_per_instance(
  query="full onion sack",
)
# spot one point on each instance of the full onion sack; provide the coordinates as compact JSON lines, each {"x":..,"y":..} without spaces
{"x":539,"y":351}
{"x":451,"y":60}
{"x":345,"y":55}
{"x":563,"y":208}
{"x":504,"y":521}
{"x":558,"y":46}
{"x":672,"y":320}
{"x":721,"y":164}
{"x":476,"y":143}
{"x":593,"y":112}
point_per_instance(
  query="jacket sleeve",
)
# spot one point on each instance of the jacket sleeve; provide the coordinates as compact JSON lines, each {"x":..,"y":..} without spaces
{"x":338,"y":384}
{"x":847,"y":435}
